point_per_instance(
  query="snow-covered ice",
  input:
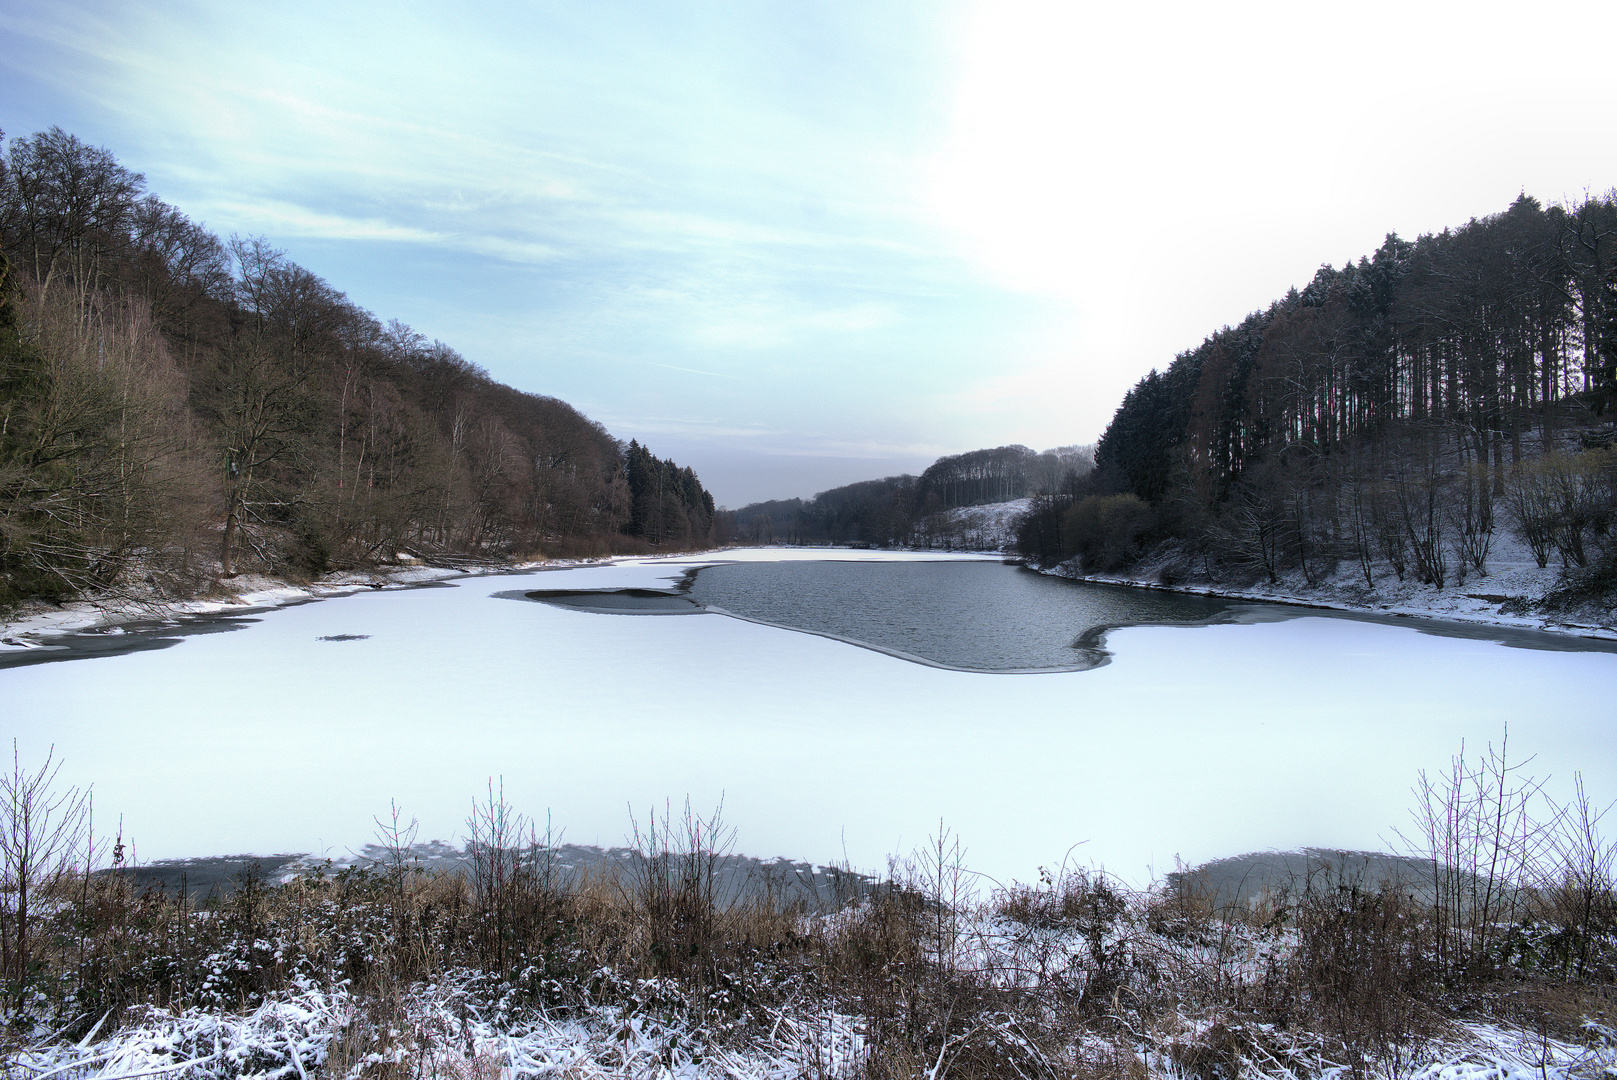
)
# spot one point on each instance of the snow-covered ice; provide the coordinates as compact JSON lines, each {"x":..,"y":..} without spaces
{"x":1192,"y":742}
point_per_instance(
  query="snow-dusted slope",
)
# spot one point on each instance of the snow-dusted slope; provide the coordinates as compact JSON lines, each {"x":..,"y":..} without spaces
{"x":991,"y":527}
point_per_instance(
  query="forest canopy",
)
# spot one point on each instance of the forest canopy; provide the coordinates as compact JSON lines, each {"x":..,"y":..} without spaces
{"x":1393,"y":412}
{"x":901,"y":511}
{"x":176,"y":406}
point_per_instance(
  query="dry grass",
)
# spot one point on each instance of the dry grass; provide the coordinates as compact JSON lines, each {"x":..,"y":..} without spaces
{"x":1075,"y":976}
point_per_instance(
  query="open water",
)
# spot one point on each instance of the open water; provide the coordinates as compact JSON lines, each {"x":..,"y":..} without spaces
{"x":975,"y":615}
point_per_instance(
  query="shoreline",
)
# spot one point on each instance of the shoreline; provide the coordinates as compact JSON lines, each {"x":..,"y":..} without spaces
{"x":31,"y":629}
{"x":41,"y":628}
{"x":1463,"y":607}
{"x":36,"y":623}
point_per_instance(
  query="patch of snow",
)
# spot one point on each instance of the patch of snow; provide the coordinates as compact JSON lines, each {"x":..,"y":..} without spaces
{"x":990,"y":527}
{"x":1492,"y":1052}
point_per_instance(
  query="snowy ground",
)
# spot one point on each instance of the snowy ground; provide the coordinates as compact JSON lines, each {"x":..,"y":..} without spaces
{"x":1193,"y":742}
{"x":444,"y":1036}
{"x":438,"y":1032}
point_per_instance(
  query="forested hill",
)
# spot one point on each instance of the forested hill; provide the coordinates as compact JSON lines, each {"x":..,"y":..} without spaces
{"x":900,"y":511}
{"x":178,"y":407}
{"x":1393,"y":413}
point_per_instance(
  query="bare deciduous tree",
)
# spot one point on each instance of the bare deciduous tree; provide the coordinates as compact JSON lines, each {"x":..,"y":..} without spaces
{"x":1478,"y":829}
{"x":1579,"y":888}
{"x":41,"y":830}
{"x":93,"y":438}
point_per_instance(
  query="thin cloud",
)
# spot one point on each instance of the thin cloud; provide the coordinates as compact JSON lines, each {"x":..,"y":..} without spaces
{"x":679,"y":425}
{"x":962,"y":225}
{"x":293,"y":220}
{"x":695,"y":371}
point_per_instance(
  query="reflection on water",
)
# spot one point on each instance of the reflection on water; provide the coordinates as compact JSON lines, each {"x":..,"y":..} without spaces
{"x":977,"y":615}
{"x":612,"y":601}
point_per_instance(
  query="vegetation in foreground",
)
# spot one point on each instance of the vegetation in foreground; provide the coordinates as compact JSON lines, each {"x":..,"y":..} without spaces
{"x":1503,"y":955}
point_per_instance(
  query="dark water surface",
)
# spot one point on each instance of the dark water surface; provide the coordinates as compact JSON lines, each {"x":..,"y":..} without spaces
{"x":140,"y":635}
{"x":978,"y":615}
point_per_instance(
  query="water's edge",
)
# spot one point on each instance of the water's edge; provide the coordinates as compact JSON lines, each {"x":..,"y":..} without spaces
{"x":1090,"y":643}
{"x":1396,"y":616}
{"x":120,"y":632}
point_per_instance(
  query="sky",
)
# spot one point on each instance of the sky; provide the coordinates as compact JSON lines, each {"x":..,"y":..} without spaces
{"x":796,"y":245}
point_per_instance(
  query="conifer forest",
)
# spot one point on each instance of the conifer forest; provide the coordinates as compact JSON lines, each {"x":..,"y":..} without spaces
{"x":1394,"y":413}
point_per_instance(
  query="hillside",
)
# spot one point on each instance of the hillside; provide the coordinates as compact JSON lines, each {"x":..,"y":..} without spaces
{"x":988,"y":527}
{"x":926,"y":511}
{"x":1398,"y":423}
{"x":177,"y":409}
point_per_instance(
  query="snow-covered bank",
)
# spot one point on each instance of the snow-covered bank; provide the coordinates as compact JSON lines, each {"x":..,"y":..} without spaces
{"x":365,"y":976}
{"x":35,"y":623}
{"x":444,"y":1034}
{"x":26,"y":627}
{"x":1510,"y":594}
{"x":441,"y":1030}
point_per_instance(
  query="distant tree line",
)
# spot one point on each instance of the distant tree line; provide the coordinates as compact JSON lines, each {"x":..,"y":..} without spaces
{"x":1394,"y":412}
{"x":180,"y":405}
{"x":911,"y":511}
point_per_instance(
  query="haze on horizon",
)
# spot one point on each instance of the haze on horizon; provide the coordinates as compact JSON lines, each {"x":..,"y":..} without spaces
{"x":795,"y":246}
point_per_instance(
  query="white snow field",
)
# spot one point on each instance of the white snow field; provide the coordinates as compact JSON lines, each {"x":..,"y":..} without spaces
{"x":1193,"y":742}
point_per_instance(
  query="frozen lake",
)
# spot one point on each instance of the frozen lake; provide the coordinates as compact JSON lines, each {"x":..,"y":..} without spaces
{"x":977,"y":615}
{"x":973,"y":615}
{"x":984,"y":615}
{"x":292,"y":732}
